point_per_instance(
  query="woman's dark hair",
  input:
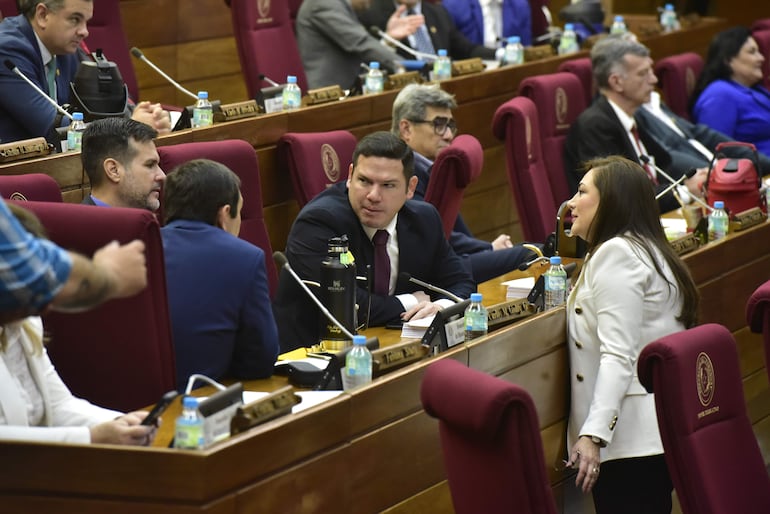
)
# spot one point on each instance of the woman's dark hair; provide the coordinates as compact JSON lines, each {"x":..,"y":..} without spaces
{"x":724,"y":46}
{"x":627,"y":208}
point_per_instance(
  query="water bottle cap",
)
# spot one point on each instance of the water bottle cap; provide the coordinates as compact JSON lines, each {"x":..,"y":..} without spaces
{"x":77,"y":116}
{"x":719,"y":204}
{"x":569,"y":26}
{"x":190,"y":402}
{"x":514,"y":39}
{"x":359,"y":340}
{"x":669,"y":7}
{"x":619,"y":18}
{"x":203,"y":94}
{"x":374,"y":65}
{"x":442,"y":52}
{"x":291,"y":79}
{"x":476,"y":297}
{"x":555,"y":260}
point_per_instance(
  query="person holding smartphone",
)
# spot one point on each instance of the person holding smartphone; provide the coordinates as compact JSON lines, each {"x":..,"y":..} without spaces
{"x":35,"y":405}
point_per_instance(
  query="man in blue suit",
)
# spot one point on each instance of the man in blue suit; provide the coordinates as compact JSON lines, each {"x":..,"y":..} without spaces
{"x":375,"y":201}
{"x":485,"y":22}
{"x":43,"y":43}
{"x":221,"y":317}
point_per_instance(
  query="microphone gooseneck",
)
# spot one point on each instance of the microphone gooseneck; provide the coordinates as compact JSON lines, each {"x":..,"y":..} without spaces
{"x":646,"y":160}
{"x":409,"y":278}
{"x":139,"y":55}
{"x":267,"y":79}
{"x":378,"y":32}
{"x":9,"y":64}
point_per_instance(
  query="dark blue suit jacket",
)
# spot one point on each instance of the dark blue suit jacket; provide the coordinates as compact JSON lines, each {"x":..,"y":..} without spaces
{"x":23,"y":113}
{"x":467,"y":15}
{"x":423,"y":252}
{"x":221,"y":316}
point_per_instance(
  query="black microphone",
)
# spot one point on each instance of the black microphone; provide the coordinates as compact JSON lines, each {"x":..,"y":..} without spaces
{"x":409,"y":278}
{"x":17,"y":71}
{"x":139,"y":55}
{"x":420,"y":56}
{"x":282,"y":262}
{"x":524,"y":266}
{"x":269,"y":80}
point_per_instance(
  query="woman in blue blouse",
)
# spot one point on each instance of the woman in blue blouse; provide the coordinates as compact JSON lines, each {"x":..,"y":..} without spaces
{"x":729,"y":96}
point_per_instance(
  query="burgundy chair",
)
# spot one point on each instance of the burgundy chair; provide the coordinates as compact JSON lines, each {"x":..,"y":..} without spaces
{"x":119,"y":355}
{"x":762,"y":37}
{"x":315,"y":160}
{"x":677,"y":75}
{"x":266,"y":43}
{"x":710,"y":449}
{"x":758,"y":317}
{"x":455,"y":167}
{"x":33,"y":186}
{"x":760,"y":24}
{"x":559,"y":101}
{"x":516,"y":124}
{"x":294,"y":6}
{"x":105,"y":31}
{"x":8,"y":8}
{"x":539,"y":18}
{"x":581,"y":67}
{"x":490,"y":440}
{"x":239,"y":156}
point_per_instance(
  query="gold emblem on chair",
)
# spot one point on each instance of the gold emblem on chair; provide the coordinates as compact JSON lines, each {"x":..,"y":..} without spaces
{"x":330,"y":162}
{"x":263,"y":9}
{"x":18,"y":197}
{"x":561,"y":104}
{"x":704,"y":377}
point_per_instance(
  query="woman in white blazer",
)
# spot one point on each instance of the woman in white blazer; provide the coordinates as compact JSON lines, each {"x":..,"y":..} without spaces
{"x":632,"y":290}
{"x":35,"y":405}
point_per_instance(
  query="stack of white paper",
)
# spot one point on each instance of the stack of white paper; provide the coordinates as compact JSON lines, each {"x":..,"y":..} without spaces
{"x":519,"y":288}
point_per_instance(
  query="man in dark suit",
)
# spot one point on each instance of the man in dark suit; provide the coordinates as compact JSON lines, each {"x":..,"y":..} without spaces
{"x":623,"y":72}
{"x":122,"y":164}
{"x":218,"y":297}
{"x":422,"y":117}
{"x":375,"y":199}
{"x":43,"y":42}
{"x":439,"y":28}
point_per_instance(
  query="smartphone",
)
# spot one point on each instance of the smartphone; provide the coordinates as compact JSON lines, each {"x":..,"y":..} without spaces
{"x":157,"y":410}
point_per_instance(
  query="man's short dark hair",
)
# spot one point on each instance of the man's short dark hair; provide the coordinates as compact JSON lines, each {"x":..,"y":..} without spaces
{"x":27,"y":7}
{"x":197,"y":189}
{"x":388,"y":145}
{"x":109,"y":138}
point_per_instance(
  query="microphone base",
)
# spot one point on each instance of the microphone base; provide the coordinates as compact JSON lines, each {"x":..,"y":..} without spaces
{"x":335,"y":345}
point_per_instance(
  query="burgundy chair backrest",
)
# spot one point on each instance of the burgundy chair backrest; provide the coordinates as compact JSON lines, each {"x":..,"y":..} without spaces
{"x":677,"y":75}
{"x":559,"y":101}
{"x":105,"y":31}
{"x":758,"y":317}
{"x":37,"y":187}
{"x":119,"y":355}
{"x":516,"y":124}
{"x":539,"y":19}
{"x":582,"y":68}
{"x":294,"y":6}
{"x":266,"y":43}
{"x":490,"y":440}
{"x":8,"y":8}
{"x":710,"y":449}
{"x":239,"y":156}
{"x":762,"y":37}
{"x":760,"y":24}
{"x":455,"y":167}
{"x":315,"y":160}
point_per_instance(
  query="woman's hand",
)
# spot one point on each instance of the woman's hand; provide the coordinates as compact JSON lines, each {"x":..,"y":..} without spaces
{"x":585,"y":458}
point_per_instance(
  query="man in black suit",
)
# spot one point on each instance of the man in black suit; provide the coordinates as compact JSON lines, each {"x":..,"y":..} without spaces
{"x":376,"y":197}
{"x":122,"y":164}
{"x":439,"y":27}
{"x":623,"y":71}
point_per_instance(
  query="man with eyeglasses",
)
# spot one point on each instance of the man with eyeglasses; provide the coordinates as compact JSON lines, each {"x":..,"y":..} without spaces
{"x":44,"y":42}
{"x":422,"y":117}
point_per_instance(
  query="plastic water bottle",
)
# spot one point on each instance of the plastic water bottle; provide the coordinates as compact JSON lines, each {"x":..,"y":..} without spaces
{"x":555,"y":284}
{"x":203,"y":115}
{"x":514,"y":51}
{"x":668,"y":19}
{"x":568,"y":43}
{"x":442,"y":67}
{"x":375,"y":82}
{"x":719,"y":222}
{"x":618,"y":26}
{"x":358,"y":364}
{"x":292,"y":96}
{"x":188,"y":433}
{"x":75,"y":132}
{"x":476,"y":318}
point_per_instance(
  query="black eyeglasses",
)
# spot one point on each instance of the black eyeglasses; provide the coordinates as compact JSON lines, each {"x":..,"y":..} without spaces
{"x":440,"y":124}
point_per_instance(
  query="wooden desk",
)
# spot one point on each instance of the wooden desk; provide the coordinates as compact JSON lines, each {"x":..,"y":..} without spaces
{"x":374,"y":449}
{"x":478,"y":97}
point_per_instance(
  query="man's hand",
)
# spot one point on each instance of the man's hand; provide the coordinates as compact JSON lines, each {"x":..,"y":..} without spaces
{"x":423,"y":309}
{"x":126,"y":429}
{"x":501,"y":242}
{"x":153,"y":115}
{"x":695,"y":183}
{"x":125,"y":267}
{"x":399,"y":28}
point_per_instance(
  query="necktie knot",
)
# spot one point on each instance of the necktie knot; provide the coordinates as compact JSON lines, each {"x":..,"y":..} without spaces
{"x":380,"y":237}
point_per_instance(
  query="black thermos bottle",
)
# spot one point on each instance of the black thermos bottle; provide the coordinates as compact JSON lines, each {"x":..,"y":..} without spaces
{"x":338,"y":293}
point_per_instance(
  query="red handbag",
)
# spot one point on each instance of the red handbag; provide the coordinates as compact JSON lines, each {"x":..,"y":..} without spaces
{"x":736,"y":182}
